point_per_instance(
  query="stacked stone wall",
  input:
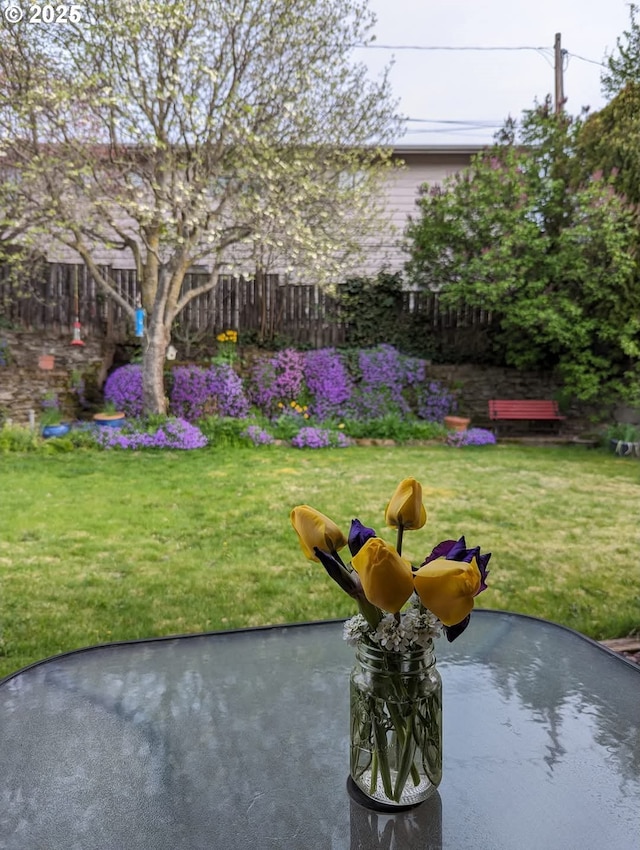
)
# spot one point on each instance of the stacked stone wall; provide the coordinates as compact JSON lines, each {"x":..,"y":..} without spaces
{"x":25,"y":378}
{"x":24,"y":383}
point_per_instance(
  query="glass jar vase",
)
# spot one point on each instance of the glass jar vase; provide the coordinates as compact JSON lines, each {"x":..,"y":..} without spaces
{"x":396,"y":725}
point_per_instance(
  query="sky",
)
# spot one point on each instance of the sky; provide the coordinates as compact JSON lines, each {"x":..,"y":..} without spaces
{"x":483,"y":88}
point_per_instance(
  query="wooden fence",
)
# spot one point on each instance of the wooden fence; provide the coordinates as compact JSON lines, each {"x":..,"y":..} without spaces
{"x":51,"y":298}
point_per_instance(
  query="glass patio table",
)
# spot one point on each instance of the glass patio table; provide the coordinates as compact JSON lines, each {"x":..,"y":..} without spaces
{"x":239,"y":741}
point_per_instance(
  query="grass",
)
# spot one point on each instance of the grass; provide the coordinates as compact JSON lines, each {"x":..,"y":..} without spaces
{"x":100,"y":546}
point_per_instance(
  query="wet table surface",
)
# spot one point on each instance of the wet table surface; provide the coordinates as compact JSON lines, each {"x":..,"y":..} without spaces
{"x":239,"y":741}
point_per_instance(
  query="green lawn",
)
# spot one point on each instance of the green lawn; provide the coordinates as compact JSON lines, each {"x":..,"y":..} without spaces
{"x":100,"y":546}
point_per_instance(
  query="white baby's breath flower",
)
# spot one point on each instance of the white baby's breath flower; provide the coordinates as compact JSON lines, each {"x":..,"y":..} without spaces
{"x":354,"y":629}
{"x":390,"y":634}
{"x":420,"y":627}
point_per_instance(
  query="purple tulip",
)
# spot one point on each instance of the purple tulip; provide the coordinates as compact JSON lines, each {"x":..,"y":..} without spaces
{"x":358,"y":536}
{"x":456,"y":550}
{"x":452,"y":632}
{"x":348,"y":581}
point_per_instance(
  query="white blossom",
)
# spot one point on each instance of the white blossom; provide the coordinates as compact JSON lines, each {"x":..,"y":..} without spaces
{"x":416,"y":630}
{"x":355,"y":629}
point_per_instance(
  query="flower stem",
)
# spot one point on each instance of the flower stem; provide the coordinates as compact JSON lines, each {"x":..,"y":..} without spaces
{"x":399,"y":539}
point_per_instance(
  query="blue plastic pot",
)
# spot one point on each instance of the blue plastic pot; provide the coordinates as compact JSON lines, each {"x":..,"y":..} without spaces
{"x":56,"y":430}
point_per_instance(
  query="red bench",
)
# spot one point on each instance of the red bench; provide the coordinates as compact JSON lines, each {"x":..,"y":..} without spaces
{"x":530,"y":410}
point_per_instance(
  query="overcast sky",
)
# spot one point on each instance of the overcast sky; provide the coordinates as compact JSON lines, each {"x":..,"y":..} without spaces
{"x":485,"y":87}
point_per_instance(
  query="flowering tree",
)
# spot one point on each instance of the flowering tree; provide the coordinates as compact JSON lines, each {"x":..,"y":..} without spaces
{"x":236,"y":134}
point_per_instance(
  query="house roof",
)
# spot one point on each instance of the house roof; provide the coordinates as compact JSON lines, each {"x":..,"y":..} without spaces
{"x":469,"y":150}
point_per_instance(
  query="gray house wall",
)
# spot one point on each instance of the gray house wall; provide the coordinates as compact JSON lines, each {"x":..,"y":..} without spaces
{"x":419,"y":164}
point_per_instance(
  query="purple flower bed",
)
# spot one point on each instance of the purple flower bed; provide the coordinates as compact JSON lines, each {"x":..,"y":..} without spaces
{"x":293,"y":389}
{"x":123,"y":388}
{"x":195,"y":391}
{"x":471,"y":437}
{"x":328,"y":382}
{"x":278,"y":379}
{"x":379,"y":390}
{"x":258,"y":436}
{"x":319,"y":438}
{"x":198,"y":392}
{"x":173,"y":434}
{"x":434,"y":402}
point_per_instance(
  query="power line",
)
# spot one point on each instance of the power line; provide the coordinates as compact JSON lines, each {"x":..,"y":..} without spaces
{"x":481,"y":129}
{"x":487,"y":48}
{"x":373,"y":46}
{"x":480,"y":122}
{"x":584,"y":59}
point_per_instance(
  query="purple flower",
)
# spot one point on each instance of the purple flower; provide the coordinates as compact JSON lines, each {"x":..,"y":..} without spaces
{"x":123,"y":388}
{"x":456,"y":550}
{"x":277,"y":379}
{"x":258,"y":436}
{"x":328,"y":382}
{"x":348,"y":581}
{"x":358,"y":536}
{"x":172,"y":434}
{"x":380,"y":385}
{"x":50,"y":402}
{"x":198,"y":392}
{"x":471,"y":437}
{"x":434,"y":402}
{"x":319,"y":438}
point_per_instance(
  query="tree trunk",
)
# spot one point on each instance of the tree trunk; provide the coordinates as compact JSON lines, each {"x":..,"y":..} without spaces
{"x":153,"y":358}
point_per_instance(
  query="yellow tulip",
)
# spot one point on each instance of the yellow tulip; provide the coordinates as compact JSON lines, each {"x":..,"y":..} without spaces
{"x":315,"y":530}
{"x":386,"y":577}
{"x":447,"y":588}
{"x":405,"y":508}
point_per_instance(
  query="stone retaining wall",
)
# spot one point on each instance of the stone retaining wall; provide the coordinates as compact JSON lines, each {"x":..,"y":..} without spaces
{"x":26,"y":378}
{"x":475,"y":385}
{"x":23,"y":383}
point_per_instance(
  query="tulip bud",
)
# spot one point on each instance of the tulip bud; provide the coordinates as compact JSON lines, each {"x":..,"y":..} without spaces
{"x":358,"y":536}
{"x":316,"y":531}
{"x":447,"y":588}
{"x":386,"y":577}
{"x":405,"y":508}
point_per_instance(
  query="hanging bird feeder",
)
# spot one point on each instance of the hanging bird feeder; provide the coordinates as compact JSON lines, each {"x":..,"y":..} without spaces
{"x":140,"y":314}
{"x":77,"y":330}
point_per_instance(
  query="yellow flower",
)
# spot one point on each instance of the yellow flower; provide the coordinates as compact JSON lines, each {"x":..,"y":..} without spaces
{"x":341,"y":425}
{"x":386,"y":577}
{"x":228,"y":336}
{"x":315,"y":530}
{"x":293,"y":404}
{"x":280,"y":405}
{"x":306,"y":416}
{"x":447,"y":588}
{"x":405,"y":508}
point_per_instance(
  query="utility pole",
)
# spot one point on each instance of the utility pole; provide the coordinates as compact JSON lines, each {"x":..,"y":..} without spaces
{"x":558,"y":75}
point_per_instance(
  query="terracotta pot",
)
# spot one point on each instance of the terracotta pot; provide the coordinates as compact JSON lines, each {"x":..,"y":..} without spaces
{"x":456,"y":423}
{"x":46,"y":361}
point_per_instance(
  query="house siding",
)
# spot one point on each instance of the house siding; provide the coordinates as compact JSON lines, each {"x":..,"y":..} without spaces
{"x":417,"y":166}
